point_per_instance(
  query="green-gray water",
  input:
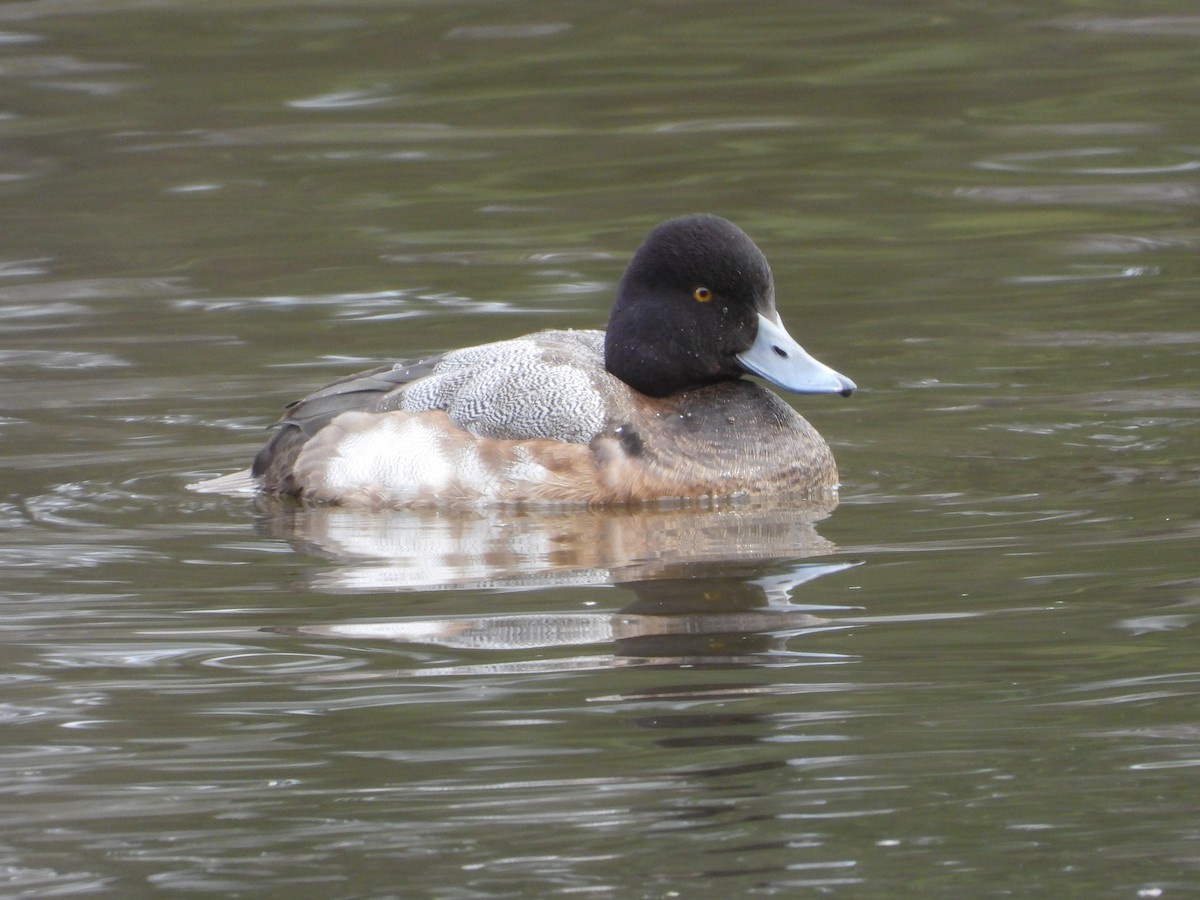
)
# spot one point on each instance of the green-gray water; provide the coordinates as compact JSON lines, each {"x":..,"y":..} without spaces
{"x":977,"y":677}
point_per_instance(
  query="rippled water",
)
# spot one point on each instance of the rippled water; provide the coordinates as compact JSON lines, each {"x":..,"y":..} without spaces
{"x":976,"y":677}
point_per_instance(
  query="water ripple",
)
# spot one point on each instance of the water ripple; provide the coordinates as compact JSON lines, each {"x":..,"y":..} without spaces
{"x":703,"y":126}
{"x":373,"y":306}
{"x":507,"y":32}
{"x":1061,"y":161}
{"x":1174,"y":26}
{"x":72,"y":360}
{"x":344,"y":100}
{"x":1170,"y":193}
{"x":1085,"y":273}
{"x":24,"y":268}
{"x":277,"y":661}
{"x":90,"y":289}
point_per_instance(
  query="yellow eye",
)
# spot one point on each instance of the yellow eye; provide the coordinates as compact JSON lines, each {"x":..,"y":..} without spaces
{"x":702,"y":294}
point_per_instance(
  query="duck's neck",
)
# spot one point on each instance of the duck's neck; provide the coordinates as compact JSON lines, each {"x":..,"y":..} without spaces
{"x":675,"y":360}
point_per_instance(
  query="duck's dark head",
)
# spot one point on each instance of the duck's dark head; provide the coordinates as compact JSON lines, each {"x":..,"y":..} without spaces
{"x":696,"y":307}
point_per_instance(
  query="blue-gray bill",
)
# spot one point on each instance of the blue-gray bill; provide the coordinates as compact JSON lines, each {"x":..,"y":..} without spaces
{"x":777,"y":357}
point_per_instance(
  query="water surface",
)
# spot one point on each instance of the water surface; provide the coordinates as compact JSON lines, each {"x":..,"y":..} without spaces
{"x":976,"y":677}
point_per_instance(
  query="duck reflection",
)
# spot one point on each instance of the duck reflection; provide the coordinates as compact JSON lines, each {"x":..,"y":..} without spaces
{"x":702,"y":617}
{"x":429,"y":549}
{"x":714,"y":620}
{"x":707,"y":584}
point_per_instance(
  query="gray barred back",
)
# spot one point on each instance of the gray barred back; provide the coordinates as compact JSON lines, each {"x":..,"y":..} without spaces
{"x":546,"y":385}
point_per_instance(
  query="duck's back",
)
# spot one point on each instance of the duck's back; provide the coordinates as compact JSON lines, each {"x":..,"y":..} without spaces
{"x":548,"y":385}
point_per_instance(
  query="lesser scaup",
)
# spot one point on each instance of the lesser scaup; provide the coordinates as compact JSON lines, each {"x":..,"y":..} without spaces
{"x":654,"y":408}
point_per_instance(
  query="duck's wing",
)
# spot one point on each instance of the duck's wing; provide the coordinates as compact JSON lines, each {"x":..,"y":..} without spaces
{"x":546,"y":386}
{"x":360,"y":391}
{"x":301,"y":419}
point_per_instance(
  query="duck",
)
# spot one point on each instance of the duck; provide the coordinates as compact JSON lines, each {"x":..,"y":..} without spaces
{"x":658,"y":407}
